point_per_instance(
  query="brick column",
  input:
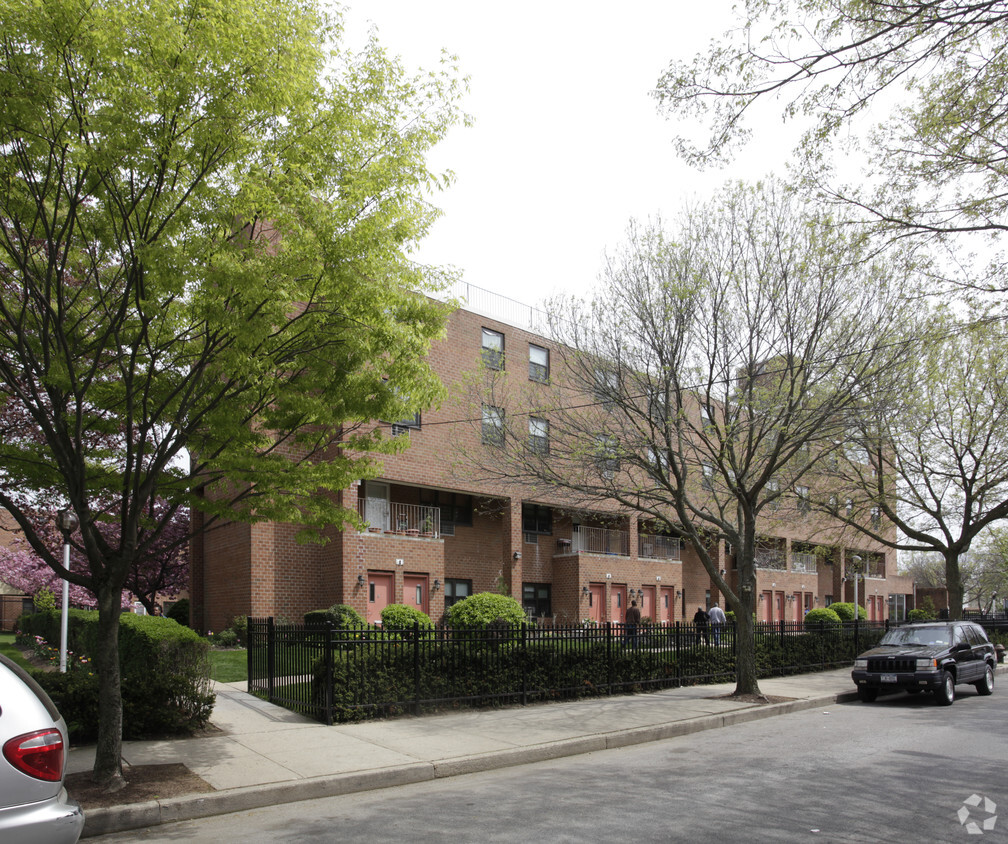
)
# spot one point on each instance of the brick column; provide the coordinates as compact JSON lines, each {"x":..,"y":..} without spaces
{"x":511,"y":568}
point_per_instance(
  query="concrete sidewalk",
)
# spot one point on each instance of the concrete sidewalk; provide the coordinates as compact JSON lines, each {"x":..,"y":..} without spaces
{"x":265,"y":755}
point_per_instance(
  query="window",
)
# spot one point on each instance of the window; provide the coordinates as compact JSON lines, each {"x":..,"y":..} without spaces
{"x":403,"y":426}
{"x":456,"y":590}
{"x":536,"y":599}
{"x":493,"y":349}
{"x":538,"y":440}
{"x":606,"y":387}
{"x":705,"y":418}
{"x":537,"y":519}
{"x":493,"y":425}
{"x":773,"y":493}
{"x":876,"y":517}
{"x":608,"y":460}
{"x":708,"y":476}
{"x":802,"y":494}
{"x":456,"y":508}
{"x":538,"y":364}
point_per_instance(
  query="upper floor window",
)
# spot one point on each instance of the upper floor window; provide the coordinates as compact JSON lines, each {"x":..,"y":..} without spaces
{"x":538,"y":435}
{"x":538,"y":364}
{"x":403,"y":426}
{"x":606,"y":387}
{"x":607,"y":455}
{"x":493,"y":349}
{"x":493,"y":425}
{"x":536,"y":518}
{"x":802,"y":493}
{"x":708,"y":476}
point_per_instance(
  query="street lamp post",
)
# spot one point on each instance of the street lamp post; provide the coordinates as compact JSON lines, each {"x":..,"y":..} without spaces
{"x":66,"y":521}
{"x":857,"y":562}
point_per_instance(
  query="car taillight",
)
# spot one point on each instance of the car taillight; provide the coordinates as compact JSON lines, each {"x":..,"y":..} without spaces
{"x":38,"y":754}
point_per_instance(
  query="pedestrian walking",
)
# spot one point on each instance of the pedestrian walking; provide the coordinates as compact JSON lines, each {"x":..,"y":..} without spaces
{"x":632,"y":624}
{"x":717,"y":620}
{"x":700,"y":620}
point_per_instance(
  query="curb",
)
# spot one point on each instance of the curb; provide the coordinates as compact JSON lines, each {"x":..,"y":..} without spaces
{"x":192,"y":807}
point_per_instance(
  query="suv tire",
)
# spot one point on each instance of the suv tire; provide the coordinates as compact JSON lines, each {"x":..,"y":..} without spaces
{"x":945,"y":693}
{"x":986,"y":685}
{"x":867,"y":694}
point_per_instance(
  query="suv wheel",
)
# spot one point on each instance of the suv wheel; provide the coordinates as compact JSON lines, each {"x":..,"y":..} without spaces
{"x":986,"y":685}
{"x":867,"y":694}
{"x":945,"y":693}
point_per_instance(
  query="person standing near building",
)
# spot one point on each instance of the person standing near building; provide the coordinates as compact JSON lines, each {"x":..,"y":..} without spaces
{"x":717,"y":620}
{"x":700,"y":619}
{"x":632,"y":623}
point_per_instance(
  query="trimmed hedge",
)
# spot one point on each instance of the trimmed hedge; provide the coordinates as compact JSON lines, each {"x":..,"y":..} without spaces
{"x":164,"y":674}
{"x":399,"y":616}
{"x":821,"y":615}
{"x":483,"y":609}
{"x":341,"y":615}
{"x":845,"y":609}
{"x":379,"y":680}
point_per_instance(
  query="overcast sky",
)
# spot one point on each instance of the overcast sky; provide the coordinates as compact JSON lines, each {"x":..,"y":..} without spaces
{"x":567,"y":145}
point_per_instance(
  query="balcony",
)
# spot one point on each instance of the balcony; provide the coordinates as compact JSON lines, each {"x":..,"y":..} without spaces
{"x":770,"y":558}
{"x":592,"y":540}
{"x":654,"y":547}
{"x":406,"y":519}
{"x":804,"y":563}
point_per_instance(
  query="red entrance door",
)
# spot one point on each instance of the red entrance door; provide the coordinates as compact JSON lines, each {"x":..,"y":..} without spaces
{"x":797,"y":606}
{"x":381,"y":589}
{"x":415,"y":592}
{"x":617,"y":602}
{"x":647,"y":609}
{"x":596,"y":600}
{"x":666,"y":611}
{"x":767,"y":605}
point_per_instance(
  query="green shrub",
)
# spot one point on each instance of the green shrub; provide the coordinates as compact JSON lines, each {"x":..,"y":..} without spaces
{"x":399,"y":616}
{"x":845,"y":609}
{"x":826,"y":616}
{"x":239,"y":624}
{"x":342,"y":616}
{"x":227,"y":638}
{"x":919,"y":615}
{"x":164,"y":672}
{"x":45,"y":600}
{"x":484,"y":608}
{"x":180,"y":612}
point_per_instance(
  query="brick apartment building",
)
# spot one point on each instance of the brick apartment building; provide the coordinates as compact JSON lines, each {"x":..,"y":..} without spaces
{"x":434,"y":537}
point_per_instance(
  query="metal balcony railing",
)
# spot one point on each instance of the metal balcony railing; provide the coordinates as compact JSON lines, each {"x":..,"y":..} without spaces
{"x":592,"y":540}
{"x":802,"y":562}
{"x":770,"y":558}
{"x":394,"y":517}
{"x":656,"y":547}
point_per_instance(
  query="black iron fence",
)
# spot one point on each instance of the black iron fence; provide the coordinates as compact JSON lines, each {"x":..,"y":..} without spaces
{"x":347,"y":674}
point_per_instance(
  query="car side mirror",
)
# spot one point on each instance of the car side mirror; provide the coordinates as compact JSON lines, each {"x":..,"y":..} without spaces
{"x":962,"y":646}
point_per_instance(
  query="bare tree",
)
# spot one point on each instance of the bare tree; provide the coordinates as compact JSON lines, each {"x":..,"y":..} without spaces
{"x":718,"y":365}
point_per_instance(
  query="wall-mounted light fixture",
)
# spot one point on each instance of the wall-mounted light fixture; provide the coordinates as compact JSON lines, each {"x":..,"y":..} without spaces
{"x":585,"y":591}
{"x":516,"y":556}
{"x":658,"y":578}
{"x":608,"y":575}
{"x":678,"y":593}
{"x":436,"y":586}
{"x":723,"y":572}
{"x":360,"y":580}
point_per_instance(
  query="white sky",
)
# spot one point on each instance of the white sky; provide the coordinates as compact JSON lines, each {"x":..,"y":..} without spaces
{"x":567,"y":144}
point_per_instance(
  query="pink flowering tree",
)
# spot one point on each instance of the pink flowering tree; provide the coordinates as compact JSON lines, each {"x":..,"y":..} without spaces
{"x":161,"y":572}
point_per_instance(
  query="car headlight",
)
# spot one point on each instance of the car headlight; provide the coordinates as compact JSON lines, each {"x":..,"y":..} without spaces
{"x":861,"y":663}
{"x":925,"y":664}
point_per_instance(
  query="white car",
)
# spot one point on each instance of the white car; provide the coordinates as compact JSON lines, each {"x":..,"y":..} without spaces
{"x":34,"y":806}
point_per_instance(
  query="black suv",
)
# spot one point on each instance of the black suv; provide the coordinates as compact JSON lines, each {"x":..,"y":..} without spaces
{"x":932,"y":657}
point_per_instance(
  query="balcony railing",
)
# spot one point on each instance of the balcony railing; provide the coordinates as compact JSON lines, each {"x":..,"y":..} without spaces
{"x":408,"y":519}
{"x":592,"y":540}
{"x":656,"y":547}
{"x":770,"y":558}
{"x":802,"y":562}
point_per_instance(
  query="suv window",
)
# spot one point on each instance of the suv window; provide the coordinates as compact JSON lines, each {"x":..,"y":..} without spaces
{"x":976,"y":635}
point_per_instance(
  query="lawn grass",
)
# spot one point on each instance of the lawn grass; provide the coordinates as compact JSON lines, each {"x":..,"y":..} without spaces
{"x":228,"y":666}
{"x":7,"y":648}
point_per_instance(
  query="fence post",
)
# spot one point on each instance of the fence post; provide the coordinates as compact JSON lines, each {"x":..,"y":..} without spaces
{"x":678,"y":664}
{"x":523,"y":658}
{"x":781,"y":624}
{"x":416,"y":667}
{"x":248,"y":654}
{"x":270,"y":657}
{"x":329,"y":673}
{"x":857,"y":625}
{"x":608,"y":652}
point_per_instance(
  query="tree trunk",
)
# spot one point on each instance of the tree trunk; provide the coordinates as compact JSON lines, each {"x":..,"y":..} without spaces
{"x":745,"y":625}
{"x":107,"y":769}
{"x":953,"y":584}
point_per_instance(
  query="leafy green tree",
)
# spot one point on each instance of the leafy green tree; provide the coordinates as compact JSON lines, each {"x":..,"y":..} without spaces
{"x":936,"y":461}
{"x":484,"y":608}
{"x":206,"y":214}
{"x":719,"y":366}
{"x":936,"y":73}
